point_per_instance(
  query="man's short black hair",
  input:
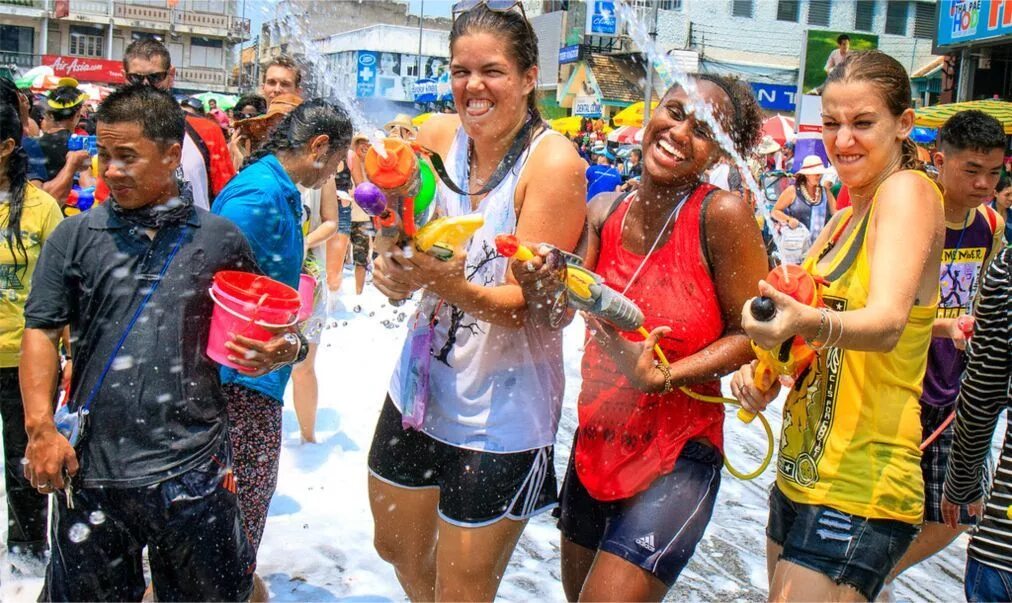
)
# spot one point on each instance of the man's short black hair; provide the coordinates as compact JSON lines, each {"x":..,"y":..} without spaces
{"x":971,"y":130}
{"x":158,"y":114}
{"x":147,"y":49}
{"x":840,"y":39}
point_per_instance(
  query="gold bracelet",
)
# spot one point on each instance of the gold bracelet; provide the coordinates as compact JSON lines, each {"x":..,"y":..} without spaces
{"x":666,"y":371}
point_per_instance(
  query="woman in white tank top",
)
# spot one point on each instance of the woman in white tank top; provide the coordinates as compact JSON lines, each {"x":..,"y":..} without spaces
{"x":451,"y":497}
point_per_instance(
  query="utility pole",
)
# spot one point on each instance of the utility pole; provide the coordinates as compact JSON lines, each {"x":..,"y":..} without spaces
{"x":649,"y":68}
{"x":421,"y":22}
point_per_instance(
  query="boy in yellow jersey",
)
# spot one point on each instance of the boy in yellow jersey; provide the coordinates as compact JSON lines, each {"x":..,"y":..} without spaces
{"x":969,"y":163}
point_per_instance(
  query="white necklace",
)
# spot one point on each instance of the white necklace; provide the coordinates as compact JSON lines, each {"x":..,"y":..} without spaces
{"x":671,"y":216}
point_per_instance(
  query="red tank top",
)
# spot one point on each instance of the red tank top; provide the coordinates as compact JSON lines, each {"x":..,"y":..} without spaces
{"x":628,"y":438}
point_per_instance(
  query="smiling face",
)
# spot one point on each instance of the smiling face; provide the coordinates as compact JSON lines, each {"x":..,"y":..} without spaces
{"x":489,"y":89}
{"x":138,"y":170}
{"x":863,"y":139}
{"x":676,"y":147}
{"x":968,"y":176}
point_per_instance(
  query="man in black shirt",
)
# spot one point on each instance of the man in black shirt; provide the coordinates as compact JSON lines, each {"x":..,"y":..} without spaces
{"x":152,"y":468}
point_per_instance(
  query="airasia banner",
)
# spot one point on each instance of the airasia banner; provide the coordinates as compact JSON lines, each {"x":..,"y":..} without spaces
{"x":85,"y":70}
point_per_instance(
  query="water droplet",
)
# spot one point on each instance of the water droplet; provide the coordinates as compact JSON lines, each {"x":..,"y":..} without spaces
{"x":78,"y":533}
{"x":357,"y":309}
{"x":96,"y":518}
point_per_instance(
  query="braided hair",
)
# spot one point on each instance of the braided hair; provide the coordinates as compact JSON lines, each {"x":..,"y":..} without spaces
{"x":16,"y":174}
{"x":310,"y":119}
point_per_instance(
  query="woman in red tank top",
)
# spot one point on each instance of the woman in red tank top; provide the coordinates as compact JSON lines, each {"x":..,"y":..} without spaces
{"x":645,"y":467}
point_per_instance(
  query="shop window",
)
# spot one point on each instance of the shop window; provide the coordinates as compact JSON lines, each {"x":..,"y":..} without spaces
{"x":742,"y":8}
{"x":20,"y":40}
{"x":819,"y":11}
{"x":86,"y":41}
{"x":924,"y":20}
{"x":864,"y":15}
{"x":176,"y":52}
{"x":896,"y":17}
{"x":669,"y":4}
{"x":788,"y":10}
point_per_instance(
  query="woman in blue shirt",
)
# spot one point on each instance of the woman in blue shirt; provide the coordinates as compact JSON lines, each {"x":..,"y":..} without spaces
{"x":263,"y":201}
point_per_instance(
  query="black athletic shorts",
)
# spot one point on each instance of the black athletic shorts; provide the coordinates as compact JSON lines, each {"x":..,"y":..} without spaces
{"x":475,"y":488}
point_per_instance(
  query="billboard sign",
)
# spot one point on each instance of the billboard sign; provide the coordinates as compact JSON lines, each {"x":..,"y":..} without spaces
{"x":569,"y":54}
{"x":961,"y":22}
{"x":775,"y":97}
{"x":85,"y":70}
{"x":822,"y":51}
{"x":587,"y":106}
{"x":366,"y":76}
{"x":601,"y":19}
{"x":809,"y":127}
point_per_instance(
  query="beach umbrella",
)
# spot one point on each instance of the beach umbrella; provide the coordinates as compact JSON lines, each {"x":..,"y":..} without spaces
{"x":225,"y":101}
{"x":28,"y":79}
{"x":567,"y":125}
{"x":632,"y":115}
{"x":935,"y":116}
{"x":421,"y":119}
{"x":626,"y":135}
{"x":779,"y":128}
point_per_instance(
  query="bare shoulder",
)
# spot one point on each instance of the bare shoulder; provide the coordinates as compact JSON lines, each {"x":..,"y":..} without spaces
{"x":728,"y":209}
{"x":908,"y":186}
{"x":438,"y":131}
{"x":555,"y":156}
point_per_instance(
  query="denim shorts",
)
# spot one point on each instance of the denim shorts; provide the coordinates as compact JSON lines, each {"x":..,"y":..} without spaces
{"x":657,"y":529}
{"x":986,"y":583}
{"x":849,"y":549}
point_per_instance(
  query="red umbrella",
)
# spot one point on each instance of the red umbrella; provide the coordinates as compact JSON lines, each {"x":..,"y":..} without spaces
{"x":626,"y":135}
{"x":780,"y":128}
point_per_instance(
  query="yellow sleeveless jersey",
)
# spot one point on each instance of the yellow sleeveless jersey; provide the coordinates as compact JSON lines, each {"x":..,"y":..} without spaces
{"x":851,"y":426}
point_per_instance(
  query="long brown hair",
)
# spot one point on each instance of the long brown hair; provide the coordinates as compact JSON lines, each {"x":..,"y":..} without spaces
{"x":889,"y":77}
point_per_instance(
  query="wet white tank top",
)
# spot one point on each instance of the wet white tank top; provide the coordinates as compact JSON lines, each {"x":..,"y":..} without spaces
{"x":491,"y":388}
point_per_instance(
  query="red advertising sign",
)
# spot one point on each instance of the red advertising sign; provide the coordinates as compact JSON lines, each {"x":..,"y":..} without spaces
{"x":85,"y":69}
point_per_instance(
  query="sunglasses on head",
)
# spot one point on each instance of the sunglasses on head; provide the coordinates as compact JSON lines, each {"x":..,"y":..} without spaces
{"x":249,"y":114}
{"x":152,"y":79}
{"x":498,"y":6}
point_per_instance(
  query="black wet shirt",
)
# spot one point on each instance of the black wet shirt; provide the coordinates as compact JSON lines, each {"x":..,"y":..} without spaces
{"x":54,"y":149}
{"x":160,"y":410}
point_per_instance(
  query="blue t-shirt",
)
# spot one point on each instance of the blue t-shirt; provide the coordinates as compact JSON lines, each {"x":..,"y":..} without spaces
{"x":264,"y":203}
{"x":602,"y":179}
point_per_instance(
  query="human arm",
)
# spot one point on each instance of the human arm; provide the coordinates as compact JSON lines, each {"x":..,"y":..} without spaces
{"x":736,"y":257}
{"x":783,"y":202}
{"x":551,"y":209}
{"x":984,"y":390}
{"x":328,"y":215}
{"x":48,"y":452}
{"x":239,"y":148}
{"x":59,"y":187}
{"x":904,"y":239}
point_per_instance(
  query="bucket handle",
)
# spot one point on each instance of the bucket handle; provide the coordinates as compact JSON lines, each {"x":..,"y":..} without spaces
{"x":247,"y":318}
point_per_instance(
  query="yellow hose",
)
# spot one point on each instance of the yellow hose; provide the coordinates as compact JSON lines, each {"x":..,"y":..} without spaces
{"x":744,"y":416}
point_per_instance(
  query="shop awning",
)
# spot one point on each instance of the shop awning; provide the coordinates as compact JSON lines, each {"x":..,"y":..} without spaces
{"x":935,"y":116}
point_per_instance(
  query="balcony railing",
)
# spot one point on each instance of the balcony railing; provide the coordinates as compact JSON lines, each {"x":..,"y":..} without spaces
{"x":200,"y":19}
{"x":23,"y":60}
{"x":197,"y":75}
{"x":40,"y":4}
{"x":89,"y":7}
{"x":124,"y":10}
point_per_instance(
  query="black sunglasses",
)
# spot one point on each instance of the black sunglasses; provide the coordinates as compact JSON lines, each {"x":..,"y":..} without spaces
{"x":152,"y":79}
{"x":498,"y":6}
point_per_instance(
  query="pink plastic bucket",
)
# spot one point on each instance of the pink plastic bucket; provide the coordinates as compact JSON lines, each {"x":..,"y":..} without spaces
{"x":246,"y":312}
{"x":307,"y":291}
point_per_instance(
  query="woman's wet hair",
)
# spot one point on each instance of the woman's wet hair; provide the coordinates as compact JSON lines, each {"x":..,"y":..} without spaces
{"x":310,"y":119}
{"x":16,"y":174}
{"x":510,"y":26}
{"x":744,"y":123}
{"x":890,"y":79}
{"x":1003,"y":182}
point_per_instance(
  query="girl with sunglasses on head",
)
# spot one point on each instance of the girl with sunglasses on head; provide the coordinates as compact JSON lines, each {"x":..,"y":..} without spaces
{"x":645,"y":465}
{"x":849,"y":495}
{"x":451,"y":498}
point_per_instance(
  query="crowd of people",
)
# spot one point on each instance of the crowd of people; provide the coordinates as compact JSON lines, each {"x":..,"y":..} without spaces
{"x":882,"y":458}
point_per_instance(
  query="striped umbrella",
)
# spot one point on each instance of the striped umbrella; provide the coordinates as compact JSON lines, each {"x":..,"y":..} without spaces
{"x":779,"y":128}
{"x":934,"y":117}
{"x":626,"y":135}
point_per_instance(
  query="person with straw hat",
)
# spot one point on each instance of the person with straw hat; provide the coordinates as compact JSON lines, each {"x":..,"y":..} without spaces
{"x":401,"y":127}
{"x":808,"y":203}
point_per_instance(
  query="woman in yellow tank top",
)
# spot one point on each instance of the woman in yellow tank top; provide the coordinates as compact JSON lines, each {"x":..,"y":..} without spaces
{"x":849,"y":494}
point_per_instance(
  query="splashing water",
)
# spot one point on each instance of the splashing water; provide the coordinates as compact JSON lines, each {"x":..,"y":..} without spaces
{"x":78,"y":533}
{"x":670,"y":73}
